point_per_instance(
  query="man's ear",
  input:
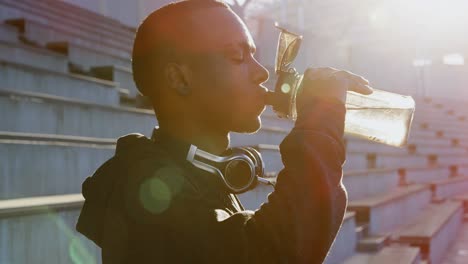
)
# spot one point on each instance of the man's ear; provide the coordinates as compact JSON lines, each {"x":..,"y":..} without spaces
{"x":177,"y":78}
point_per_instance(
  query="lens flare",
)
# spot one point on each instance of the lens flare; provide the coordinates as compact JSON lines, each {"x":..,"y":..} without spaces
{"x":155,"y":195}
{"x":285,"y":88}
{"x":78,"y":250}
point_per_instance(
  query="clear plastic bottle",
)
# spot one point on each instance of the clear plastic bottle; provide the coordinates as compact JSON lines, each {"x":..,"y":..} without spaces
{"x":383,"y":117}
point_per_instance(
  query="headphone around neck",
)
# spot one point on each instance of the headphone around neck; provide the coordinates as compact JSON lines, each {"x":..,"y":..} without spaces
{"x":239,"y":170}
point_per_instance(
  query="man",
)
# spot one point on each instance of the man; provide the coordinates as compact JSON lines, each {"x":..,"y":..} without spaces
{"x":195,"y":61}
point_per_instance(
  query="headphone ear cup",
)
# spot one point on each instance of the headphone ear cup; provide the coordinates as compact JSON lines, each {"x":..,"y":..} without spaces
{"x":239,"y":172}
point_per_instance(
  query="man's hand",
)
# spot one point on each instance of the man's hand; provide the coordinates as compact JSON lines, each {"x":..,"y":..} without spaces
{"x":330,"y":83}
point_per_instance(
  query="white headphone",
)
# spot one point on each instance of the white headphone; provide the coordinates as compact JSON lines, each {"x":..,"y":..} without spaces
{"x":239,"y":170}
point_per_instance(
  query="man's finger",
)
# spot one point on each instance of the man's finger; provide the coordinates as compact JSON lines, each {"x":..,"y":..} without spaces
{"x":354,"y":82}
{"x":359,"y":79}
{"x":320,"y":73}
{"x":353,"y":77}
{"x":361,"y":88}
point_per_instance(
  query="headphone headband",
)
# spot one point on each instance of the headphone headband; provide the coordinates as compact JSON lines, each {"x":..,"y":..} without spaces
{"x":239,"y":170}
{"x":234,"y":165}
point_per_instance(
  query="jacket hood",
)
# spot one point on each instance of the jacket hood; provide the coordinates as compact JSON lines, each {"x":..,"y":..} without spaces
{"x":99,"y":190}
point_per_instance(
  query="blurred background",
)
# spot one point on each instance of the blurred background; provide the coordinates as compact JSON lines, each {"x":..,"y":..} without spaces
{"x":409,"y":46}
{"x":67,"y":94}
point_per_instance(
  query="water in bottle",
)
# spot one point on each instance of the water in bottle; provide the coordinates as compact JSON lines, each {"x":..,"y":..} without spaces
{"x":383,"y":117}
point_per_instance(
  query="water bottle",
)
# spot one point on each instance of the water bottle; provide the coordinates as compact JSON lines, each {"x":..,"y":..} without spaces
{"x":382,"y":116}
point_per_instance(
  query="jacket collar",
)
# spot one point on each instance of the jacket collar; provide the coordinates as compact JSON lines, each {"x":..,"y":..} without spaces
{"x":177,"y":148}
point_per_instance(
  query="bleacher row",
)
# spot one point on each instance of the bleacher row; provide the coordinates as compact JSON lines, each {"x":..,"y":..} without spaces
{"x":67,"y":93}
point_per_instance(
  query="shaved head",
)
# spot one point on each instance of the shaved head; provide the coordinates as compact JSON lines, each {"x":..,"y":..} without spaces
{"x":195,"y":60}
{"x":163,"y":37}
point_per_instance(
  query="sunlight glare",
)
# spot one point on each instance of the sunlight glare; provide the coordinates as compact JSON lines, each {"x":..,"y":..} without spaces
{"x":454,"y":59}
{"x":433,"y":16}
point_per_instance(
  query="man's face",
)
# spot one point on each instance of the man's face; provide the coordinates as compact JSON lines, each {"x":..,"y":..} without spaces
{"x":226,"y":79}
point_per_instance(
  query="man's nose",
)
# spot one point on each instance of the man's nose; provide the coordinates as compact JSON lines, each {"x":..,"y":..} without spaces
{"x":260,"y":73}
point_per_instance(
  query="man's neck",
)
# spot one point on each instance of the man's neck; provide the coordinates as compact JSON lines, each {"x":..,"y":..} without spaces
{"x":209,"y":140}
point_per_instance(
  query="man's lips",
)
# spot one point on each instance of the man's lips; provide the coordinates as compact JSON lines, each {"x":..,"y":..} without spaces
{"x":257,"y":105}
{"x":261,"y":99}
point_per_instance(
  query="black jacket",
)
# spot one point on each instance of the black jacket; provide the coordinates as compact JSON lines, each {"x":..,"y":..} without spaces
{"x":148,"y":205}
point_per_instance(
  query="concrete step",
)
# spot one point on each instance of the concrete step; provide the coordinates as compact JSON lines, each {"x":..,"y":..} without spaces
{"x":372,"y":243}
{"x":446,"y":103}
{"x":457,"y":251}
{"x":354,"y":144}
{"x":434,"y":120}
{"x":417,"y":132}
{"x":63,"y":22}
{"x":36,"y":57}
{"x":462,"y":168}
{"x":452,"y":159}
{"x":361,"y":230}
{"x":42,"y":230}
{"x":121,"y":75}
{"x":426,"y":174}
{"x":354,"y":160}
{"x":442,"y":125}
{"x":46,"y":11}
{"x":388,"y":255}
{"x":42,"y":34}
{"x":45,"y":165}
{"x":88,"y":15}
{"x":8,"y":33}
{"x":463,"y":198}
{"x":41,"y":113}
{"x":379,"y":211}
{"x":455,"y":133}
{"x":87,"y":57}
{"x":359,"y":184}
{"x":440,"y":149}
{"x":345,"y":242}
{"x":443,"y":104}
{"x":447,"y":126}
{"x":447,"y":129}
{"x":39,"y":204}
{"x":437,"y":116}
{"x":21,"y":77}
{"x":447,"y":107}
{"x":433,"y":231}
{"x":433,"y":115}
{"x":49,"y":156}
{"x":422,"y":140}
{"x":369,"y":160}
{"x":366,"y":183}
{"x":446,"y":188}
{"x":38,"y":113}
